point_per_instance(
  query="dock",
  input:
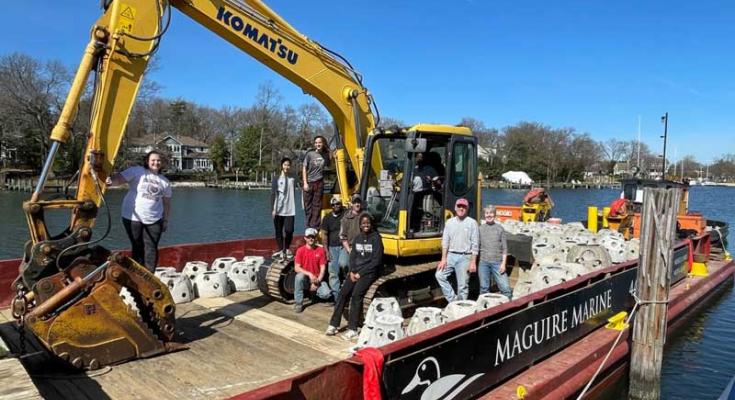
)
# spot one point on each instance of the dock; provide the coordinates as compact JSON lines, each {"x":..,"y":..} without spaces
{"x":556,"y":185}
{"x":239,"y":185}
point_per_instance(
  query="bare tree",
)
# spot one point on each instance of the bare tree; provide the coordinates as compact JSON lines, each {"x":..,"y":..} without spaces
{"x":614,"y":151}
{"x":32,"y":92}
{"x":267,"y":103}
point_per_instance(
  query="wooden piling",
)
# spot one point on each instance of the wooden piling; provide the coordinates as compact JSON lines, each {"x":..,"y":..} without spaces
{"x":658,"y":232}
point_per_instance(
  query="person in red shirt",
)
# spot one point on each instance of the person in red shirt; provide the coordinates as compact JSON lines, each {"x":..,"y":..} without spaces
{"x":309,"y":264}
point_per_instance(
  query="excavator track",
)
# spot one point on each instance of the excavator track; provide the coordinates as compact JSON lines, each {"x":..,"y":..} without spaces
{"x":413,"y":285}
{"x":273,"y":280}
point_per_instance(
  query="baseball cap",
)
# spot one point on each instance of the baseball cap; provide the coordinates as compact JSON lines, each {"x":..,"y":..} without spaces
{"x":462,"y":202}
{"x":356,"y":198}
{"x":310,"y":232}
{"x":334,"y":200}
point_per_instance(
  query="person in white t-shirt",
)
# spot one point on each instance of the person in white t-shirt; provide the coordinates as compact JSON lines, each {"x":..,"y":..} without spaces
{"x":146,"y":207}
{"x":283,"y":209}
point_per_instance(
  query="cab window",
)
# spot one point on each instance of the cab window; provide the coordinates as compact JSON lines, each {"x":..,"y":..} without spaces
{"x":463,"y":168}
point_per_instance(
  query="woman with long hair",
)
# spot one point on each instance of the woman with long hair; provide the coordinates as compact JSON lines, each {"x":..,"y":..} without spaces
{"x":312,"y":175}
{"x":146,"y":208}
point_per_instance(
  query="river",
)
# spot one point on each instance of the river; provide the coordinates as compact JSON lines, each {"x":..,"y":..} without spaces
{"x":697,"y":361}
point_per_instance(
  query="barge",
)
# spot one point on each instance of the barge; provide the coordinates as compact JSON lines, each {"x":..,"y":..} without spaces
{"x":247,"y":346}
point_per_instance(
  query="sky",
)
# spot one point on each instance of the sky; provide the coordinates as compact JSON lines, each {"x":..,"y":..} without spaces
{"x":597,"y":66}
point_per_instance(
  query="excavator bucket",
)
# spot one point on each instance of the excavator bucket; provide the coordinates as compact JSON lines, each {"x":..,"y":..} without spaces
{"x":120,"y":313}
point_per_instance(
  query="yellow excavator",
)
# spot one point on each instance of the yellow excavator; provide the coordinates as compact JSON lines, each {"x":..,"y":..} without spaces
{"x":93,"y":308}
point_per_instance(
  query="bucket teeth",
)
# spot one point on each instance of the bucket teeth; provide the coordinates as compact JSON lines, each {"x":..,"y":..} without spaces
{"x":129,"y":300}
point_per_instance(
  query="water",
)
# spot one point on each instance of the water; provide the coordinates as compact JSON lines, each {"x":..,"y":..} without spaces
{"x":697,"y":361}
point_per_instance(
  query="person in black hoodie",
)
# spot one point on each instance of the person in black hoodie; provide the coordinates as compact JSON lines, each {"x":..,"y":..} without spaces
{"x":366,"y":261}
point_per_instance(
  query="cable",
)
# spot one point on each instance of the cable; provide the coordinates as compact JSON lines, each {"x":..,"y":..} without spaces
{"x":107,"y":231}
{"x":617,"y":339}
{"x":722,"y":242}
{"x":615,"y":343}
{"x":377,"y":112}
{"x":157,"y":38}
{"x":162,"y":28}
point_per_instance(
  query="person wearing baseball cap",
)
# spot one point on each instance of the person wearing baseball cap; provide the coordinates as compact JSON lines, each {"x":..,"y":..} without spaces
{"x":329,"y":232}
{"x":460,"y":245}
{"x":309,"y":263}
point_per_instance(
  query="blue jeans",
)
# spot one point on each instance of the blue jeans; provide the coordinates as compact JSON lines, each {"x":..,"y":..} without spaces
{"x":301,"y":281}
{"x":488,"y":270}
{"x":338,"y":260}
{"x":459,"y":265}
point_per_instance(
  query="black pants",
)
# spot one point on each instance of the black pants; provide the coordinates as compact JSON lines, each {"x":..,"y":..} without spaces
{"x":284,"y":231}
{"x":313,"y":204}
{"x":144,"y":241}
{"x":354,"y":292}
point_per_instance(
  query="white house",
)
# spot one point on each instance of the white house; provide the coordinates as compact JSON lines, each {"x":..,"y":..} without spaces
{"x":187,"y":153}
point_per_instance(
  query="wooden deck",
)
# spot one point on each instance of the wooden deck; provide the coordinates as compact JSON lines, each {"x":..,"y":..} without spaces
{"x":235,"y":344}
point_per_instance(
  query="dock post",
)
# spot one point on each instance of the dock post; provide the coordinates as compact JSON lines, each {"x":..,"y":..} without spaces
{"x":658,"y":229}
{"x":592,"y":219}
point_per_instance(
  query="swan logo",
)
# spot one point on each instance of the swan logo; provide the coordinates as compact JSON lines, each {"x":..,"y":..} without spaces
{"x":433,"y":386}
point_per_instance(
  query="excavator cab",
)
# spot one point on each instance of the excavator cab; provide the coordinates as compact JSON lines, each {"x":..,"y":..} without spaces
{"x":411,"y":179}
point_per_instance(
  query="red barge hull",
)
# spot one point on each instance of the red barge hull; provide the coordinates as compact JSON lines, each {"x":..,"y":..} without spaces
{"x":485,"y":354}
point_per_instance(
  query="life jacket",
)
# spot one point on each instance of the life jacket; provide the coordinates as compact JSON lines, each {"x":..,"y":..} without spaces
{"x":619,"y":208}
{"x":534,"y":196}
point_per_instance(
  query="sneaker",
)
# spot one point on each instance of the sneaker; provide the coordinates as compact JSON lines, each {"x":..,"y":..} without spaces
{"x":289,"y":254}
{"x":277,"y":255}
{"x":350,"y":335}
{"x":298,"y":308}
{"x":331,"y":331}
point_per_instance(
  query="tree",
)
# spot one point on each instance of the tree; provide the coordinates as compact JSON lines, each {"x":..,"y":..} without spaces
{"x":219,"y":153}
{"x":31,"y":92}
{"x":723,"y":169}
{"x":247,"y":150}
{"x":267,"y":103}
{"x":614,"y":151}
{"x":489,"y":141}
{"x":688,"y":166}
{"x":583,"y":154}
{"x":390,"y":122}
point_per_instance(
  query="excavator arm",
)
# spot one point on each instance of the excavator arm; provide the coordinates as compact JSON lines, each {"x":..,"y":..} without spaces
{"x":68,"y":291}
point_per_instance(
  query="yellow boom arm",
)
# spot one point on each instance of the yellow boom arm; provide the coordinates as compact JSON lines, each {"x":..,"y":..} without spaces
{"x":122,"y":42}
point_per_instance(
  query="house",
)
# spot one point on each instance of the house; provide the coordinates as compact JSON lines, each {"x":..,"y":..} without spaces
{"x":186,"y":153}
{"x":622,"y":168}
{"x":485,"y":153}
{"x":8,"y":156}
